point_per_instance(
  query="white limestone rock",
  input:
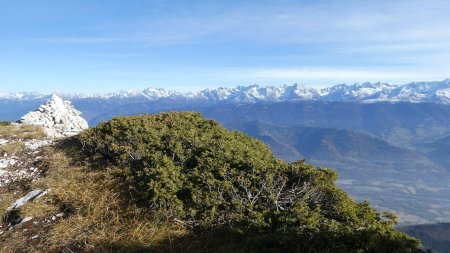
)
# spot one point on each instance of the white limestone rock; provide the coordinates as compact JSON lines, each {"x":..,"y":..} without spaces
{"x":58,"y":118}
{"x":37,"y":144}
{"x":7,"y":162}
{"x":27,"y":198}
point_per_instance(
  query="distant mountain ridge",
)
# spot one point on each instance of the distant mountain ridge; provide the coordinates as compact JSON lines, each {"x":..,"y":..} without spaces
{"x":434,"y":236}
{"x":434,"y":92}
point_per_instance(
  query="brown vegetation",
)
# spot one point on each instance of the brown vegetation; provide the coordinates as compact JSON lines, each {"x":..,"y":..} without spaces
{"x":21,"y":132}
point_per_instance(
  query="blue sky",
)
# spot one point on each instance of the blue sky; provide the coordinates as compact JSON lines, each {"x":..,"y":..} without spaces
{"x":105,"y":45}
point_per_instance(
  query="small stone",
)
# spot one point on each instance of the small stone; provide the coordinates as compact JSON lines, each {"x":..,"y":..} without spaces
{"x":34,"y":237}
{"x":29,"y":197}
{"x":26,"y":219}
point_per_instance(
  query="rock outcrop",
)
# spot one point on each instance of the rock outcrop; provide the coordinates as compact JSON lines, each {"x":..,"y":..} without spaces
{"x":58,"y":118}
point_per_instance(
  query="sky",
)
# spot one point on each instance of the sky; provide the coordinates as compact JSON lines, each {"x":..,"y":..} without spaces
{"x":107,"y":45}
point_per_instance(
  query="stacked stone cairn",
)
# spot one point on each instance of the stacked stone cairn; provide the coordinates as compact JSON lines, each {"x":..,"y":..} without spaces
{"x":57,"y":117}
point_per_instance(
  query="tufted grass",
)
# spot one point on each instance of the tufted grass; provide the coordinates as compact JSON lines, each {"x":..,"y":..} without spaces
{"x":6,"y":198}
{"x":12,"y":148}
{"x":21,"y":132}
{"x":96,"y":219}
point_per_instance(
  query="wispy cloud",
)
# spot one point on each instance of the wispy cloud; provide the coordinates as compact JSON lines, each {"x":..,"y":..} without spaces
{"x":235,"y":42}
{"x":367,"y":23}
{"x":330,"y":75}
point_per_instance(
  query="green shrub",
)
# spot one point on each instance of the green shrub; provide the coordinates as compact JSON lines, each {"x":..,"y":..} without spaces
{"x":182,"y":167}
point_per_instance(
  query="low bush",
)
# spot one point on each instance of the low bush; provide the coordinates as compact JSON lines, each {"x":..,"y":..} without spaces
{"x":184,"y":168}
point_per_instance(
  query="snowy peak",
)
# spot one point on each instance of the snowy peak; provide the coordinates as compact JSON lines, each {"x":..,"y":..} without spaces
{"x":255,"y":93}
{"x":359,"y":92}
{"x":433,"y":92}
{"x":22,"y":95}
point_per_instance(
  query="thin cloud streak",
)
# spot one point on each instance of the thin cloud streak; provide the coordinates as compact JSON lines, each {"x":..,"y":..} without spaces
{"x":317,"y":75}
{"x":375,"y":23}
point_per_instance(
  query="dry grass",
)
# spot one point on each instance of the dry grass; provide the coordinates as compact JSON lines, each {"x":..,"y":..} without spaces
{"x":100,"y":221}
{"x":97,"y":219}
{"x":23,"y":132}
{"x":6,"y":198}
{"x":12,"y":148}
{"x":18,"y":242}
{"x":42,"y":208}
{"x":7,"y":131}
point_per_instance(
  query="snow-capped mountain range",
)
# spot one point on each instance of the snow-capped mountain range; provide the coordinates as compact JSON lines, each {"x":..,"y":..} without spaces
{"x":435,"y":92}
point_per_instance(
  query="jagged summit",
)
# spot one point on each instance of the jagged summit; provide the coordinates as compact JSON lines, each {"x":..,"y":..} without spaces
{"x":430,"y":92}
{"x":58,"y":118}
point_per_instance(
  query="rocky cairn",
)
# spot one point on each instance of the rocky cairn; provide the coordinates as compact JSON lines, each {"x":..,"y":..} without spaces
{"x":58,"y":118}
